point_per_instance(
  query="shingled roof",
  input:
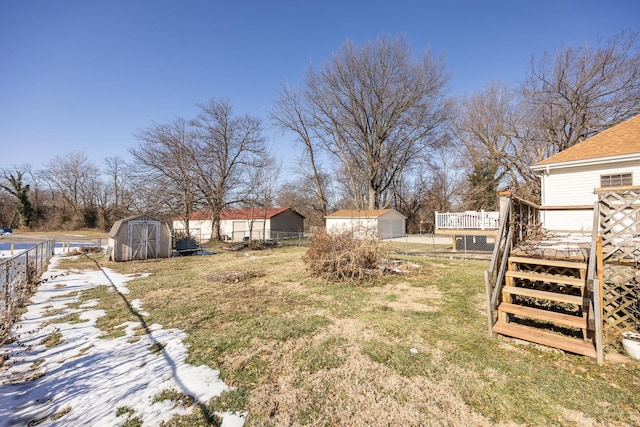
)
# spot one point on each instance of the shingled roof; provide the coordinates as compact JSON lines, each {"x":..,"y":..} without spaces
{"x":230,"y":214}
{"x":620,"y":140}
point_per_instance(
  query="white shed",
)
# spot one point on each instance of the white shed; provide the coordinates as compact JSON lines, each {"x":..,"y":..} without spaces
{"x":385,"y":223}
{"x":570,"y":179}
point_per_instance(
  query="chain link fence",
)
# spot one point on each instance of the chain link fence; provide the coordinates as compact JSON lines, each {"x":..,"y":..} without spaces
{"x":18,"y":275}
{"x":441,"y":246}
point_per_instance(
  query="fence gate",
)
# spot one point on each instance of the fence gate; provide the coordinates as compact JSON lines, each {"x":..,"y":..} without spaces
{"x":144,"y":239}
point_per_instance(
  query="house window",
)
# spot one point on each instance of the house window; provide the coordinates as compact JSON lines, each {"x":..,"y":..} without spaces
{"x":616,"y":180}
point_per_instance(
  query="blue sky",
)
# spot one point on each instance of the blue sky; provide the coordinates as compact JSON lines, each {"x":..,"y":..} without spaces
{"x":87,"y":75}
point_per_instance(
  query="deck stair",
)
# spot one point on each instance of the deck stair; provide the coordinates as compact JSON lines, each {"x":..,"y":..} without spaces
{"x":546,"y":301}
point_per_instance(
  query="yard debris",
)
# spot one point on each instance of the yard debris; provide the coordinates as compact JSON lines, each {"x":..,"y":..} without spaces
{"x":396,"y":266}
{"x":231,"y":276}
{"x":344,"y":256}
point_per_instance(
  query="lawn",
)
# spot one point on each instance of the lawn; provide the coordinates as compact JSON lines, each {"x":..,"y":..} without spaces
{"x":410,"y":349}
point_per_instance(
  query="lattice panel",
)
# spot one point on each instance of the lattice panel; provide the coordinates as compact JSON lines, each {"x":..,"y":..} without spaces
{"x":619,"y":224}
{"x":621,"y":299}
{"x":553,"y":270}
{"x":620,"y":229}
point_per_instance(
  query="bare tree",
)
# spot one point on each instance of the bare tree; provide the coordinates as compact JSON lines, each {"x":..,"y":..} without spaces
{"x":374,"y":108}
{"x":73,"y":177}
{"x":300,"y":194}
{"x":164,"y":164}
{"x":577,"y":92}
{"x":486,"y":127}
{"x":408,"y":197}
{"x":117,"y":190}
{"x":229,"y":147}
{"x":290,"y":114}
{"x":444,"y":186}
{"x":262,"y":192}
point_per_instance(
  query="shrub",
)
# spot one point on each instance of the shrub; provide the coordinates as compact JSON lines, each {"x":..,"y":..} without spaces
{"x":344,"y":256}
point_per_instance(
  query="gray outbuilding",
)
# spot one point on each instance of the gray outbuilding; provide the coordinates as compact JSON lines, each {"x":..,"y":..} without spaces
{"x":139,"y":237}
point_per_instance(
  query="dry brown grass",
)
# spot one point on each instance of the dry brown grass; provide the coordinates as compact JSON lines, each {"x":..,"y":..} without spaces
{"x":409,"y":349}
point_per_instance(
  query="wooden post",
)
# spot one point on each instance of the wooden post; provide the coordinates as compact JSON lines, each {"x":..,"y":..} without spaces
{"x":488,"y":291}
{"x":598,"y":303}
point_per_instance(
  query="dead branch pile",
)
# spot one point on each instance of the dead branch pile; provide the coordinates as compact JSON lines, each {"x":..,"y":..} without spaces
{"x":343,"y":256}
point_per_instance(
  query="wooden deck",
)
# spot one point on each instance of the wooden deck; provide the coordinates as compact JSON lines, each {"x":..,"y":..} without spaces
{"x":573,"y":247}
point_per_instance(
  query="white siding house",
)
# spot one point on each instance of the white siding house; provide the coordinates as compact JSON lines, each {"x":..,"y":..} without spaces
{"x":570,"y":179}
{"x":385,"y":223}
{"x":238,"y":224}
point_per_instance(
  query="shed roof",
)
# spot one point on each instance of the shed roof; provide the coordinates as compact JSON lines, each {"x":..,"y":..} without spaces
{"x":364,"y":213}
{"x":620,"y":140}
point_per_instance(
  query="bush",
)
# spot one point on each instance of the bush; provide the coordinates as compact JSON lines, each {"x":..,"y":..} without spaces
{"x":343,"y":256}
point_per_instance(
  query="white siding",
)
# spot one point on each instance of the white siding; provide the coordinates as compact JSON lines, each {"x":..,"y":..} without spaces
{"x":239,"y":229}
{"x":572,"y":221}
{"x":390,"y":224}
{"x":575,"y":187}
{"x":369,"y":225}
{"x":226,"y":229}
{"x":197,"y":228}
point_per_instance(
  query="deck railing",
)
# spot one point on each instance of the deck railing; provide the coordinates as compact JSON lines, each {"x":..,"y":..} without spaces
{"x":518,"y":218}
{"x":469,"y":220}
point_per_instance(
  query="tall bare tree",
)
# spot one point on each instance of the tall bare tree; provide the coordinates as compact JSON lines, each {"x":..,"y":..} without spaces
{"x":290,"y":114}
{"x":374,"y":108}
{"x":486,"y":126}
{"x":229,"y":147}
{"x":164,"y":163}
{"x":577,"y":92}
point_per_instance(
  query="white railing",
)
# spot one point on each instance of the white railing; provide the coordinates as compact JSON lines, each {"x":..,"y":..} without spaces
{"x":469,"y":220}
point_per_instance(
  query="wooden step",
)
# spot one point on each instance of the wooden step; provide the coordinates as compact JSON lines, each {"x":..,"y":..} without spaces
{"x":569,"y":320}
{"x":549,"y":262}
{"x":550,"y":296}
{"x":549,"y":278}
{"x":537,"y":336}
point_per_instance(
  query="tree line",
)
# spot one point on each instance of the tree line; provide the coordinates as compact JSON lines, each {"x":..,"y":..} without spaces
{"x":375,"y":128}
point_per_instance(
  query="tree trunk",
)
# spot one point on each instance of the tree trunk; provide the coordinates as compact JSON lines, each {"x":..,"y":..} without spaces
{"x":372,"y":198}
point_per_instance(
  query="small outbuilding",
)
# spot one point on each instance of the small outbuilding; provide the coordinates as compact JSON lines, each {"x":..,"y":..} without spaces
{"x":237,"y":225}
{"x":139,"y":237}
{"x":384,"y":223}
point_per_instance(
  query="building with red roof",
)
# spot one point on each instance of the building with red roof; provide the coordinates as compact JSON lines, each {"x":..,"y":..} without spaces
{"x":239,"y":224}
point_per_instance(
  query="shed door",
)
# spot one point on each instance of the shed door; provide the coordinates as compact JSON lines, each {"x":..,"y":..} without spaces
{"x":144,"y":239}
